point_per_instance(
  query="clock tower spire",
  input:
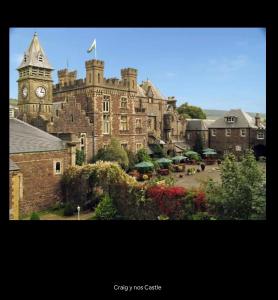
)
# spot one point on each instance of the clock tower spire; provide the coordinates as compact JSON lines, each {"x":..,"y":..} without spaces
{"x":35,"y":83}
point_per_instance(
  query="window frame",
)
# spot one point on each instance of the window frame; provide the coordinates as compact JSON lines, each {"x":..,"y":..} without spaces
{"x":106,"y":104}
{"x":213,"y":132}
{"x":260,"y":133}
{"x":55,"y":162}
{"x":228,"y":130}
{"x":106,"y":122}
{"x":241,"y":130}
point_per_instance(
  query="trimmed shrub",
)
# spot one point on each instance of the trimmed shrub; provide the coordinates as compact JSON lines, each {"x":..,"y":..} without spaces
{"x":105,"y":209}
{"x":35,"y":216}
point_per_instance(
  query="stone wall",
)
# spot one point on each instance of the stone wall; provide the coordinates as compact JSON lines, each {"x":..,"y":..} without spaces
{"x":41,"y":186}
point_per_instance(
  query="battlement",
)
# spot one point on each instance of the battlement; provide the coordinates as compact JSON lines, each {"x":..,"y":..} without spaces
{"x":66,"y":77}
{"x":94,"y":63}
{"x":59,"y":87}
{"x":129,"y":72}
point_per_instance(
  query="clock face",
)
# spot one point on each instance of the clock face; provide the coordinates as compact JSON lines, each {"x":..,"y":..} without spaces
{"x":40,"y":91}
{"x":25,"y":92}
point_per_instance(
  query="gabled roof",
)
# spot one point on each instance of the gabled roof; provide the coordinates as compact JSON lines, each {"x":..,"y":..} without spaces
{"x":149,"y":88}
{"x":198,"y":124}
{"x":31,"y":55}
{"x":140,"y":91}
{"x":243,"y":120}
{"x":27,"y":138}
{"x":13,"y":166}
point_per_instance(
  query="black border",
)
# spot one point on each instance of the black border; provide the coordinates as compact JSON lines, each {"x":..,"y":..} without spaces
{"x":120,"y":250}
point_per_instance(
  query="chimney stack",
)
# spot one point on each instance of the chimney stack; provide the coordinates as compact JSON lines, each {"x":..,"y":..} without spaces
{"x":257,"y":120}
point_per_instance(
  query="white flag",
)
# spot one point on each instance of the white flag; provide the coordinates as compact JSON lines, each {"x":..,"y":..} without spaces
{"x":93,"y":46}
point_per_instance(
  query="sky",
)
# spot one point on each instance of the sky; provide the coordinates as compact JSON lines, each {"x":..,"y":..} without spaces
{"x":214,"y":68}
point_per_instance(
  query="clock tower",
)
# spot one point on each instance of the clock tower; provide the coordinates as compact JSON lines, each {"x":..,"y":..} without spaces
{"x":35,"y":84}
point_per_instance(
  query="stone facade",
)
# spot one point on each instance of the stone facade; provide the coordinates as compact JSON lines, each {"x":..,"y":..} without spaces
{"x":41,"y":183}
{"x":95,"y":108}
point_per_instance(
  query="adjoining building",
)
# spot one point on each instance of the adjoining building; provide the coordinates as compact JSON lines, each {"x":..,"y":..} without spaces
{"x":37,"y":162}
{"x":236,"y":132}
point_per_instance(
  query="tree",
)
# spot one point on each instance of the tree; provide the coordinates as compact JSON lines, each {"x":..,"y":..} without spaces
{"x":114,"y":152}
{"x":105,"y":209}
{"x":193,"y":112}
{"x":80,"y":157}
{"x":132,"y":159}
{"x":242,"y":192}
{"x":142,"y":155}
{"x":198,"y":147}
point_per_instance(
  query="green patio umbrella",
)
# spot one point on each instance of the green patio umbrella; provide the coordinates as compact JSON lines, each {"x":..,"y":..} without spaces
{"x":164,"y":161}
{"x":212,"y":152}
{"x":144,"y":166}
{"x":188,"y":153}
{"x":208,"y":150}
{"x":178,"y":158}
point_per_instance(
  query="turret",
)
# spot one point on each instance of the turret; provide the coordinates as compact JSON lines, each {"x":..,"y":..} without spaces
{"x":172,"y":101}
{"x":66,"y":77}
{"x":129,"y":78}
{"x":94,"y":72}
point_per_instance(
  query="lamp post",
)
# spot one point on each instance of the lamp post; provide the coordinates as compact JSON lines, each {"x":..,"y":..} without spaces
{"x":78,"y":211}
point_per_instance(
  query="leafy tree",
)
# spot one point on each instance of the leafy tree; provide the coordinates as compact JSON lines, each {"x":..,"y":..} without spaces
{"x":80,"y":157}
{"x":142,"y":155}
{"x":132,"y":159}
{"x":105,"y":209}
{"x":114,"y":152}
{"x":198,"y":147}
{"x":193,"y":112}
{"x":242,"y":192}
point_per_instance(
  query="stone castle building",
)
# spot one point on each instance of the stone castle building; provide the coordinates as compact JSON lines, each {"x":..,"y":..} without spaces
{"x":95,"y":108}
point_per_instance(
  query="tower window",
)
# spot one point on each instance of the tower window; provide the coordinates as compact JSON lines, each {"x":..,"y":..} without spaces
{"x":90,"y":77}
{"x":123,"y":102}
{"x":106,"y":100}
{"x":98,"y":78}
{"x":133,"y":84}
{"x":57,"y":113}
{"x":40,"y":57}
{"x":25,"y":58}
{"x":72,"y":118}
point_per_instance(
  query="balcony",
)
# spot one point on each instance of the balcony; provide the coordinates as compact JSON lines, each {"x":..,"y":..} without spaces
{"x":140,"y":110}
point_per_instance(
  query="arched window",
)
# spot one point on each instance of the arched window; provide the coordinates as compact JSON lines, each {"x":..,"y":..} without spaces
{"x":58,"y":167}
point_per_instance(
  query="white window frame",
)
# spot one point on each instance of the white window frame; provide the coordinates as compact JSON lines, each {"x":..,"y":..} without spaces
{"x":259,"y":134}
{"x":106,"y":104}
{"x":189,"y":136}
{"x":54,"y":167}
{"x":123,"y":102}
{"x":138,"y":123}
{"x":123,"y":124}
{"x":213,"y":132}
{"x":228,"y":130}
{"x":238,"y":148}
{"x":230,"y":119}
{"x":106,"y":124}
{"x":241,"y":131}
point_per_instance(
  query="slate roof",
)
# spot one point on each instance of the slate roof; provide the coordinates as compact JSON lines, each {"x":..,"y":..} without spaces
{"x":198,"y":124}
{"x":27,"y":138}
{"x":13,"y":166}
{"x":148,"y":86}
{"x":32,"y":55}
{"x":243,"y":120}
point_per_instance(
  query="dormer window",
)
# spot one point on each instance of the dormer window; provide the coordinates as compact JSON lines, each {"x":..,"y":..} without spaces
{"x":40,"y":57}
{"x":230,"y":119}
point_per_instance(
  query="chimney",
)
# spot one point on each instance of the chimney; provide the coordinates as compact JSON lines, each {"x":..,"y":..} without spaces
{"x":257,"y":120}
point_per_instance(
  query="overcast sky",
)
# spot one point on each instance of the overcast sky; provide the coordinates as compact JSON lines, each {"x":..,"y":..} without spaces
{"x":215,"y":68}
